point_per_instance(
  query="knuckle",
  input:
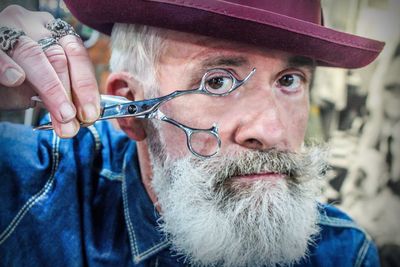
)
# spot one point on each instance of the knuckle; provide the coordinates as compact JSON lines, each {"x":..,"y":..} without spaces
{"x":73,"y":48}
{"x":51,"y":90}
{"x":57,"y":58}
{"x":85,"y":83}
{"x":27,"y":49}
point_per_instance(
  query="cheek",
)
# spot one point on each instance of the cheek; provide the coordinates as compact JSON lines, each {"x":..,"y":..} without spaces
{"x":295,"y":117}
{"x":173,"y":139}
{"x":191,"y":114}
{"x":194,"y":110}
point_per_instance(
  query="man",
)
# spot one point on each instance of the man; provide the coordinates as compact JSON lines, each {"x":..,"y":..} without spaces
{"x":101,"y":199}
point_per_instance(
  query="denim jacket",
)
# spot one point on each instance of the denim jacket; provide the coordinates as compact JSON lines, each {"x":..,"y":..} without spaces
{"x":81,"y":202}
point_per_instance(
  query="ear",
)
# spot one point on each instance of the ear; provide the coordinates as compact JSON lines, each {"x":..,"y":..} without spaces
{"x":123,"y":84}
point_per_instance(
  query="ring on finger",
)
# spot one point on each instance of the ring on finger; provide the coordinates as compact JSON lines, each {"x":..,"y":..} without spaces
{"x":60,"y":28}
{"x":47,"y":42}
{"x":9,"y":38}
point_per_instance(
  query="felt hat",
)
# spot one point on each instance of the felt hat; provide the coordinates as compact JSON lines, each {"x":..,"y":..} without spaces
{"x":294,"y":26}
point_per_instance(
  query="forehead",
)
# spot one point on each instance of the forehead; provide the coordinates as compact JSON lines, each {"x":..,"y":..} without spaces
{"x":188,"y":48}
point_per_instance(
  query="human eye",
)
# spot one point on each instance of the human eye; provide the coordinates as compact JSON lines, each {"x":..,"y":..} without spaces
{"x":290,"y":83}
{"x":218,"y":81}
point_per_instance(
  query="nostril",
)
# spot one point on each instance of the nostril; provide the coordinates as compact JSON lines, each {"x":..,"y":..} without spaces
{"x":254,"y":143}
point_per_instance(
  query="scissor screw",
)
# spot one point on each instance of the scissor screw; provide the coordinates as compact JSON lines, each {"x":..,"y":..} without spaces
{"x":132,"y":109}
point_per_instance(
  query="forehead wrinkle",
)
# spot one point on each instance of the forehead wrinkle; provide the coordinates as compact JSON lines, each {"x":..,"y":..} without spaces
{"x":224,"y":60}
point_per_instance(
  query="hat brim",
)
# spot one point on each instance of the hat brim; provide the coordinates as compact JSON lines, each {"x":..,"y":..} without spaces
{"x":231,"y":21}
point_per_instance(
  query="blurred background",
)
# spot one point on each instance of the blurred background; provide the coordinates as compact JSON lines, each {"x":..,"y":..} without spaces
{"x":356,"y":112}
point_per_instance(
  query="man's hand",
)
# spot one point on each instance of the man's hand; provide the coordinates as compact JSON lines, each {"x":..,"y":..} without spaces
{"x":62,"y":75}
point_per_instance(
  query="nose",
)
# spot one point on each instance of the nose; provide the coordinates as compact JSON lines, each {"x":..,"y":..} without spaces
{"x":261,"y":127}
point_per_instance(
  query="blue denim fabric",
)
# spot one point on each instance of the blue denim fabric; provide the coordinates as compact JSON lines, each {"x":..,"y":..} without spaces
{"x":80,"y":202}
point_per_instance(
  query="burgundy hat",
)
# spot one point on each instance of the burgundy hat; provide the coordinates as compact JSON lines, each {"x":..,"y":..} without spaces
{"x":293,"y":26}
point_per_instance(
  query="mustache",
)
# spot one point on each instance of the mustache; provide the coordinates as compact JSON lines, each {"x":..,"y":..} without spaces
{"x":296,"y":166}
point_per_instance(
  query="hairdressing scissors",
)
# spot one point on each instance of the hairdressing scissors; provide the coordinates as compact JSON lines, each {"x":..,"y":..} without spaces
{"x":215,"y":82}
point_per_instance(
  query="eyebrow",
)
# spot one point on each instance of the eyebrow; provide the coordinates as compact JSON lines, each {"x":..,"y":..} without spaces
{"x":301,"y":62}
{"x":217,"y":61}
{"x":233,"y":61}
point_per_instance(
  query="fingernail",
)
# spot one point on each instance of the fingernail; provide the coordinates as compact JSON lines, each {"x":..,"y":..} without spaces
{"x":67,"y":111}
{"x":13,"y":75}
{"x":69,"y":129}
{"x":90,"y":113}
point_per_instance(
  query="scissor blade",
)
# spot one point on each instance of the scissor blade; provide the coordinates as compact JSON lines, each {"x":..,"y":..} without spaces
{"x":112,"y":106}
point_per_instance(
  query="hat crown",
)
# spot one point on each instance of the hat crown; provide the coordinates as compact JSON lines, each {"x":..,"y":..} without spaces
{"x":305,"y":10}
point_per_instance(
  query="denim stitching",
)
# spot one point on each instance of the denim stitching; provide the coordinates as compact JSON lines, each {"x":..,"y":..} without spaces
{"x":96,"y":137}
{"x":336,"y":222}
{"x":104,"y":172}
{"x":362,"y":252}
{"x":132,"y":237}
{"x":110,"y":175}
{"x":131,"y":233}
{"x":38,"y":196}
{"x":151,"y":251}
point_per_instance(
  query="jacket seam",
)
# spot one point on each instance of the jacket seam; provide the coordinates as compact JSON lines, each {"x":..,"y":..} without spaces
{"x":362,"y":252}
{"x":336,"y":222}
{"x":38,"y":196}
{"x":150,"y":251}
{"x":131,"y":232}
{"x":110,"y":175}
{"x":96,"y":137}
{"x":137,"y":257}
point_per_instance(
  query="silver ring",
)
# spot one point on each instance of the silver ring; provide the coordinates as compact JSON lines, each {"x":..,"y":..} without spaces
{"x":47,"y":42}
{"x":60,"y":28}
{"x":9,"y":38}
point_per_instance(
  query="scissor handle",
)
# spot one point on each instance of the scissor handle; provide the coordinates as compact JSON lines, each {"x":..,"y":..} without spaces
{"x":190,"y":132}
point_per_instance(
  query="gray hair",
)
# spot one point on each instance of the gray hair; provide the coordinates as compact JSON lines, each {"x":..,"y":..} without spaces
{"x":136,"y":49}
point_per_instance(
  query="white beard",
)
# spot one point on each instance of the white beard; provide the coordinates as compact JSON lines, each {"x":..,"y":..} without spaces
{"x":212,"y":220}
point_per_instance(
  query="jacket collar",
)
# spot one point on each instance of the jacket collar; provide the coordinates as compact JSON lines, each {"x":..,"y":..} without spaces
{"x":140,"y":214}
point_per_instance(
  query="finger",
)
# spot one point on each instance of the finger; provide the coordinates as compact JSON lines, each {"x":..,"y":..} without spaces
{"x":85,"y":92}
{"x":11,"y":74}
{"x":65,"y":130}
{"x":57,"y":58}
{"x":44,"y":79}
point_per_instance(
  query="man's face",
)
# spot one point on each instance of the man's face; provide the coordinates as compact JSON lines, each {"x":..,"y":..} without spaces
{"x":269,"y":111}
{"x":254,"y":203}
